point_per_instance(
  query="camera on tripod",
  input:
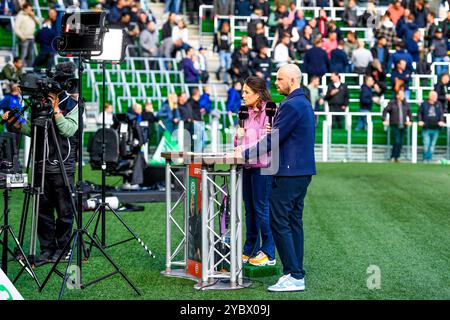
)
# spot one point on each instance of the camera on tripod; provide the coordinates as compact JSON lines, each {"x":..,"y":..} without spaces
{"x":38,"y":86}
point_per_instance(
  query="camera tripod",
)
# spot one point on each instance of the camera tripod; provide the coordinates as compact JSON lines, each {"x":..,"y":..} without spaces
{"x":19,"y":254}
{"x":76,"y":242}
{"x":100,"y":211}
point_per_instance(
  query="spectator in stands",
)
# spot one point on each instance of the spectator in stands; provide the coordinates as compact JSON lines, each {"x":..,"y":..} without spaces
{"x":315,"y":30}
{"x":187,"y":117}
{"x":430,"y":29}
{"x":351,"y":43}
{"x":259,"y":39}
{"x":400,"y":26}
{"x":400,"y":116}
{"x":45,"y":37}
{"x":431,"y":118}
{"x":262,"y":5}
{"x":234,"y":100}
{"x":261,"y":65}
{"x":332,"y":27}
{"x":12,"y":70}
{"x":366,"y":98}
{"x":192,"y":8}
{"x":400,"y":54}
{"x":439,"y":52}
{"x":322,"y":23}
{"x":109,"y":116}
{"x":222,"y":45}
{"x":191,"y":74}
{"x":148,"y":115}
{"x":350,"y":15}
{"x":255,"y":19}
{"x":169,"y":113}
{"x":281,"y":54}
{"x":203,"y":65}
{"x":198,"y":138}
{"x":381,"y":52}
{"x":369,"y":17}
{"x":443,"y":92}
{"x":205,"y":101}
{"x":292,"y":13}
{"x":400,"y":78}
{"x":224,"y":7}
{"x":173,"y":6}
{"x":276,"y":17}
{"x":149,"y":40}
{"x":7,"y":8}
{"x":299,"y":20}
{"x":315,"y":61}
{"x":339,"y":59}
{"x":243,"y":8}
{"x":338,"y":98}
{"x":446,"y":29}
{"x":386,"y":29}
{"x":361,"y":58}
{"x":420,"y":13}
{"x":285,"y":28}
{"x":25,"y":27}
{"x":55,"y":20}
{"x":168,"y":26}
{"x":375,"y":70}
{"x":395,"y":10}
{"x":180,"y":37}
{"x":408,"y":28}
{"x":412,"y":46}
{"x":131,"y":31}
{"x":330,"y":43}
{"x":143,"y":20}
{"x":315,"y":94}
{"x":240,"y":64}
{"x":115,"y":11}
{"x":306,"y":41}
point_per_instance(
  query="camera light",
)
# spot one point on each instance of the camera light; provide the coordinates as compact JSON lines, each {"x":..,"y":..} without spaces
{"x":113,"y":47}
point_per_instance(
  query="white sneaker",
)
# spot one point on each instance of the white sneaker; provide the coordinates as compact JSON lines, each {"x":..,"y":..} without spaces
{"x":288,"y":284}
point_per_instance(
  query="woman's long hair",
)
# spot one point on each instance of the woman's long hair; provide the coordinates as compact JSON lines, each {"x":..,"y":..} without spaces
{"x":259,"y":87}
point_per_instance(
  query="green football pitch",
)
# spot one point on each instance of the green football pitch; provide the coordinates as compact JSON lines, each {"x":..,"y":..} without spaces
{"x":395,"y":217}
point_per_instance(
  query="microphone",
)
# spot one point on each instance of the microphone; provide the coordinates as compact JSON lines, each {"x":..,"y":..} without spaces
{"x":271,"y":108}
{"x":243,"y":115}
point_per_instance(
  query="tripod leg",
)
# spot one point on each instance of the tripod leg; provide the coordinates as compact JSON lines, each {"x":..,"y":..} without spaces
{"x":53,"y":269}
{"x":24,"y":217}
{"x":132,"y":232}
{"x":27,"y":265}
{"x":112,"y":263}
{"x":66,"y":274}
{"x":94,"y":234}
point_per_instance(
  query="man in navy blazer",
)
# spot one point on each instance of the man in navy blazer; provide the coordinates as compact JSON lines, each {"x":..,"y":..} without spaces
{"x":293,"y":136}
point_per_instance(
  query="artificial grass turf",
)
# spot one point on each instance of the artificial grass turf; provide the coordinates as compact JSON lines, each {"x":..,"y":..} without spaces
{"x":394,"y":216}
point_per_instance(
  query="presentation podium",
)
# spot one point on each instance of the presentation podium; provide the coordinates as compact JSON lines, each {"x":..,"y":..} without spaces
{"x":204,"y":240}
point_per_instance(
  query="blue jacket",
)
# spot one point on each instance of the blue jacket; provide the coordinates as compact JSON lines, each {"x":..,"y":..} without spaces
{"x":399,"y":55}
{"x":365,"y":98}
{"x":405,"y":76}
{"x":205,"y":103}
{"x":339,"y":61}
{"x":45,"y":38}
{"x":413,"y":50}
{"x":191,"y":75}
{"x":234,"y":100}
{"x":296,"y":126}
{"x":315,"y":62}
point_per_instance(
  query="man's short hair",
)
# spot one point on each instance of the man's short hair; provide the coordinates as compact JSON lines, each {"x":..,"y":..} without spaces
{"x":194,"y":91}
{"x":16,"y":59}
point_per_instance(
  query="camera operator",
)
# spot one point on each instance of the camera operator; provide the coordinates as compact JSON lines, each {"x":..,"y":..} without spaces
{"x":54,"y":234}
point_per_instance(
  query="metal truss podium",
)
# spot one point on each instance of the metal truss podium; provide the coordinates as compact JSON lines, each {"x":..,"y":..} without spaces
{"x":220,"y":269}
